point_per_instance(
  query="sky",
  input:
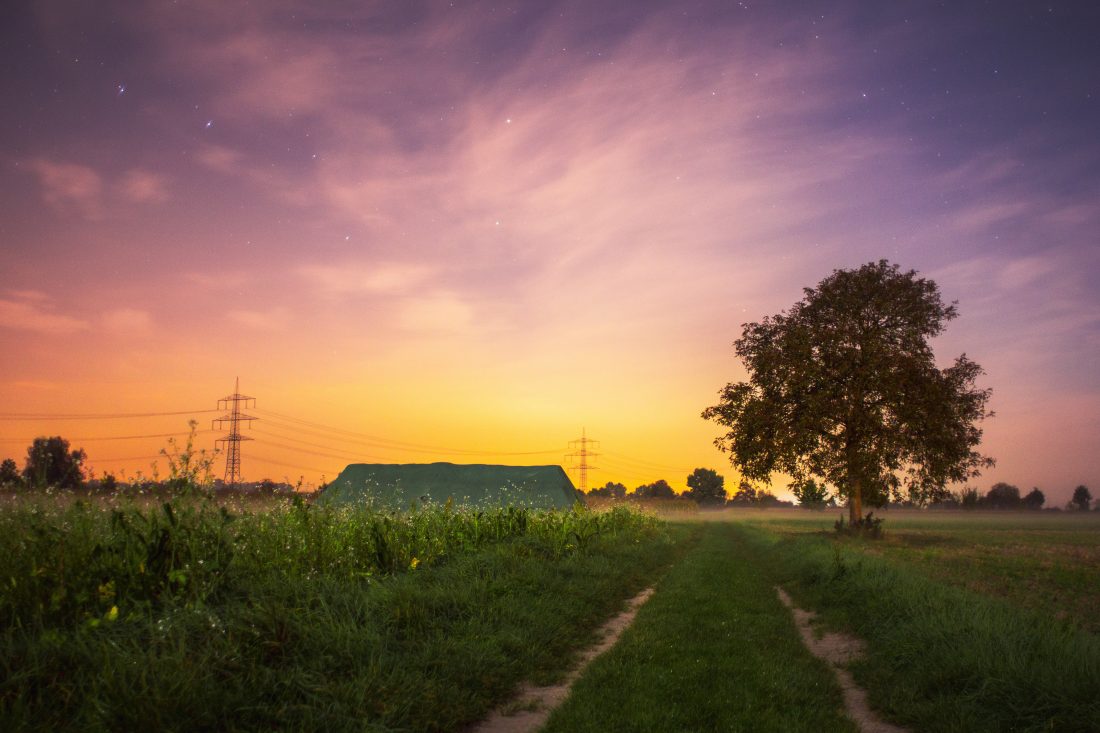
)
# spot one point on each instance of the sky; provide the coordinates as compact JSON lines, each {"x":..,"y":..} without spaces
{"x":468,"y":231}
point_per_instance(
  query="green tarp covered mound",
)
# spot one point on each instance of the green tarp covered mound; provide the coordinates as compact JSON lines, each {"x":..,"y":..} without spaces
{"x":400,"y":486}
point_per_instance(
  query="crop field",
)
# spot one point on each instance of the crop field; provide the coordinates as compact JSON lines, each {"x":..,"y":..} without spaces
{"x":189,"y":615}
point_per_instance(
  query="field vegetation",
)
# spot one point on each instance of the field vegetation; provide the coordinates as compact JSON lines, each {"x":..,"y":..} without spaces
{"x":1048,"y":562}
{"x":190,"y":615}
{"x":948,"y":648}
{"x":714,"y":649}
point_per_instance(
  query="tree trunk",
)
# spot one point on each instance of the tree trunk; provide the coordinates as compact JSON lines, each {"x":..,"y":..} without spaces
{"x":855,"y":502}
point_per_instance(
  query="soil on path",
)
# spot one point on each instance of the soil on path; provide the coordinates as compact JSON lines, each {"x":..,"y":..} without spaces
{"x":530,"y":709}
{"x":837,"y":650}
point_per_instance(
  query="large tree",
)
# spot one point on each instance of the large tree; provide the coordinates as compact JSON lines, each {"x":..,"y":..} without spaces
{"x":51,"y":463}
{"x":844,"y":387}
{"x":706,"y":487}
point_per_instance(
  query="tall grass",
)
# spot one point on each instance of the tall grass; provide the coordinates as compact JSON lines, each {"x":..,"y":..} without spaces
{"x":188,"y":615}
{"x":941,"y":657}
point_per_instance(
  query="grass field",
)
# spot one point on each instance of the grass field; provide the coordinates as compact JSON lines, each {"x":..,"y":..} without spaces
{"x":190,"y":617}
{"x":713,"y":650}
{"x":967,"y":650}
{"x":1046,"y":562}
{"x":195,"y":615}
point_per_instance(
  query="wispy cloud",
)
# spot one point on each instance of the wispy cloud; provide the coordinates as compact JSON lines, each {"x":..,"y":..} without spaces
{"x":358,"y":278}
{"x":127,"y":322}
{"x":35,"y":315}
{"x":80,"y":190}
{"x":69,"y":187}
{"x":275,"y":319}
{"x":140,"y":186}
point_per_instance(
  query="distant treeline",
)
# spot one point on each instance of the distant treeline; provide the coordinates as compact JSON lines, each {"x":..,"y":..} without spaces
{"x":707,"y":489}
{"x":51,"y":464}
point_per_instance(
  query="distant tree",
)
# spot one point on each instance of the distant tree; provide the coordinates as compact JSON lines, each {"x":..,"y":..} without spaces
{"x":9,"y":474}
{"x":765,"y":498}
{"x":610,"y":490}
{"x":745,"y":495}
{"x":844,"y":387}
{"x":1002,"y":496}
{"x":108,"y":482}
{"x":706,"y":487}
{"x":51,"y":463}
{"x":1082,"y":498}
{"x":968,"y":498}
{"x":659,"y":489}
{"x":1034,"y":499}
{"x":810,"y":494}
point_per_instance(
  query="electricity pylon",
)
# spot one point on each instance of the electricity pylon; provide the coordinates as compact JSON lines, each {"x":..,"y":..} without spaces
{"x":232,"y":403}
{"x":579,"y":458}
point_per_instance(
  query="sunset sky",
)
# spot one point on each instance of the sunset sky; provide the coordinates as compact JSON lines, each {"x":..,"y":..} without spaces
{"x":465,"y":231}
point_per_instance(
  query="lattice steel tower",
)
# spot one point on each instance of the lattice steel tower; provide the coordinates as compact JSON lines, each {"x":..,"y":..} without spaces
{"x":580,"y":455}
{"x":232,"y":403}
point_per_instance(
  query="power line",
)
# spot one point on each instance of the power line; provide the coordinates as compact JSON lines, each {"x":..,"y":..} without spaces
{"x":112,"y":437}
{"x":292,"y":439}
{"x":647,"y":464}
{"x":381,"y":442}
{"x":295,"y":467}
{"x":342,"y":455}
{"x":93,"y":416}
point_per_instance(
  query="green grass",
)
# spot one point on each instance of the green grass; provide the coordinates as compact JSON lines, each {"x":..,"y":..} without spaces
{"x":1047,"y":563}
{"x":712,"y":650}
{"x":941,"y":657}
{"x":192,"y":617}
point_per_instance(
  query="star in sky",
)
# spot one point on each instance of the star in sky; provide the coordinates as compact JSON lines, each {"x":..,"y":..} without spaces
{"x":121,"y":89}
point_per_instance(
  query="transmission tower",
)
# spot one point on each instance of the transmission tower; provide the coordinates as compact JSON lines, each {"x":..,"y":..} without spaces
{"x":578,"y":459}
{"x":233,"y":404}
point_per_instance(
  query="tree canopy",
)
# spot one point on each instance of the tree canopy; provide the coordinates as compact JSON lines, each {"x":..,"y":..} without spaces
{"x":706,"y":487}
{"x":811,"y":494}
{"x":51,"y":463}
{"x":844,"y":387}
{"x":1034,"y":499}
{"x":1003,"y":496}
{"x":659,"y":489}
{"x":1082,"y":498}
{"x":611,"y":490}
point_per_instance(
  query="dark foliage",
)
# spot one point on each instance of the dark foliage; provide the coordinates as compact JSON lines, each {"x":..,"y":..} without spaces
{"x":51,"y":463}
{"x":844,"y":387}
{"x":706,"y":487}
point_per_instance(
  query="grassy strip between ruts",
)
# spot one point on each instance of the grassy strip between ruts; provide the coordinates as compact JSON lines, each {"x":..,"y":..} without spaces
{"x":301,"y":645}
{"x":712,"y":650}
{"x":940,"y":657}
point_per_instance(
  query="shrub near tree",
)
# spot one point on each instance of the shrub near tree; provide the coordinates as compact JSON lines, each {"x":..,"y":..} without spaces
{"x":844,"y":388}
{"x":706,"y":487}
